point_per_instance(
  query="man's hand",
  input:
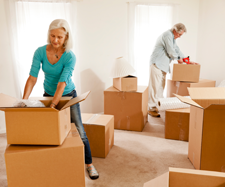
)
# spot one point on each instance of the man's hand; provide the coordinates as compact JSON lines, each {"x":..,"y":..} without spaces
{"x":194,"y":63}
{"x":180,"y":61}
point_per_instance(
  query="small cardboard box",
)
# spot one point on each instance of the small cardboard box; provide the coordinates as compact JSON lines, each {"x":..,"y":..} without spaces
{"x":206,"y":129}
{"x":188,"y":178}
{"x":180,"y":88}
{"x":100,"y":132}
{"x":186,"y":72}
{"x":128,"y":83}
{"x":177,"y":124}
{"x":45,"y":166}
{"x":40,"y":125}
{"x":130,"y":109}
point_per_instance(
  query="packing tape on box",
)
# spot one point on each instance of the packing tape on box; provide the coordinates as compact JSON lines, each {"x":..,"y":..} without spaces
{"x":170,"y":103}
{"x":122,"y":95}
{"x":178,"y":86}
{"x":127,"y":127}
{"x":118,"y":124}
{"x":66,"y":126}
{"x":223,"y":168}
{"x":182,"y":131}
{"x":128,"y":122}
{"x":74,"y":133}
{"x":162,"y":115}
{"x":91,"y":119}
{"x":193,"y":158}
{"x":222,"y":84}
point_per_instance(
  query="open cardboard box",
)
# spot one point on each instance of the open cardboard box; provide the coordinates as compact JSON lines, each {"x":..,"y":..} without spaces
{"x":207,"y":128}
{"x":177,"y":177}
{"x":38,"y":125}
{"x":186,"y":72}
{"x":127,"y":83}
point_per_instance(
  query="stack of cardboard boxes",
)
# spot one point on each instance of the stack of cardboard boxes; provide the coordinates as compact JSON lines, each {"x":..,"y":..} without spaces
{"x":42,"y":148}
{"x":127,"y":102}
{"x":183,"y":77}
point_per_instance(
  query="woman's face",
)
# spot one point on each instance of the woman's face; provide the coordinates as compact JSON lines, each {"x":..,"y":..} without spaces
{"x":57,"y":37}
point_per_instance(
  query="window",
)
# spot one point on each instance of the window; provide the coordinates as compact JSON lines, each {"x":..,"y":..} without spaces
{"x":30,"y":22}
{"x":146,"y":23}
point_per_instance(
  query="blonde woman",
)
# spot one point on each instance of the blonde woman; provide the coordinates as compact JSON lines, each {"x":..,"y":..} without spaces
{"x":57,"y":62}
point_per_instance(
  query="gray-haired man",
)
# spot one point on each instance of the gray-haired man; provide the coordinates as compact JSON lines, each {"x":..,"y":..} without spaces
{"x":164,"y":52}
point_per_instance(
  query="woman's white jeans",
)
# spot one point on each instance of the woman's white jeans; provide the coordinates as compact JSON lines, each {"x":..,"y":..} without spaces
{"x":156,"y":85}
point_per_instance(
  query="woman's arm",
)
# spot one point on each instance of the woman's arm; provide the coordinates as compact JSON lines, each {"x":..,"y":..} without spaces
{"x":58,"y":94}
{"x":31,"y":81}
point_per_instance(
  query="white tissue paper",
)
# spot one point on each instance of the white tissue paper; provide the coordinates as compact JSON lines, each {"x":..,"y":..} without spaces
{"x":121,"y":68}
{"x":164,"y":104}
{"x":28,"y":103}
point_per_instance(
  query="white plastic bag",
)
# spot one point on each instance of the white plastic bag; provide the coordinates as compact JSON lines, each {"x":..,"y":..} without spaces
{"x":28,"y":103}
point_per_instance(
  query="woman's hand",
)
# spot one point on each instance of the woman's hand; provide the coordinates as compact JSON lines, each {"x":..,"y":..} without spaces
{"x":31,"y":81}
{"x":58,"y":94}
{"x":52,"y":105}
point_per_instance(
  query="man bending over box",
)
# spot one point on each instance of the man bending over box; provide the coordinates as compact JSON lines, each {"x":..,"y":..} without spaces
{"x":164,"y":52}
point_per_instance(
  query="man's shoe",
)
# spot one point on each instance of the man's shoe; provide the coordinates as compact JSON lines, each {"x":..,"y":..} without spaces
{"x":153,"y":113}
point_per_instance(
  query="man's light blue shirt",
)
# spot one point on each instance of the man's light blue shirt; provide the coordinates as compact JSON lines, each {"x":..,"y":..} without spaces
{"x":59,"y":72}
{"x":165,"y":51}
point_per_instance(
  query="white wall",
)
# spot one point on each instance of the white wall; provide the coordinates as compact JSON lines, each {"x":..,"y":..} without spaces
{"x":211,"y":41}
{"x":102,"y":37}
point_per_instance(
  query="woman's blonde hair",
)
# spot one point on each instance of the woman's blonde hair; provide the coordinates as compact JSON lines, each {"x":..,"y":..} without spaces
{"x":61,"y":23}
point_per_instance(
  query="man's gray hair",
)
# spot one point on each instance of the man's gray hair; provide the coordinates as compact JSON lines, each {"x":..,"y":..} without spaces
{"x":179,"y":27}
{"x":61,"y":23}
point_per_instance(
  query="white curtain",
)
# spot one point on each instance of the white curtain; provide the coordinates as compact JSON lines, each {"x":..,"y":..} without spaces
{"x":146,"y":23}
{"x":28,"y":23}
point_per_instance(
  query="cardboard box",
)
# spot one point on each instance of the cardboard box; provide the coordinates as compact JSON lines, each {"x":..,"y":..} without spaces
{"x":38,"y":126}
{"x":129,"y":108}
{"x":207,"y":130}
{"x":128,"y":83}
{"x":180,"y":88}
{"x":177,"y":124}
{"x":185,"y":72}
{"x":188,"y":178}
{"x":45,"y":166}
{"x":100,"y":132}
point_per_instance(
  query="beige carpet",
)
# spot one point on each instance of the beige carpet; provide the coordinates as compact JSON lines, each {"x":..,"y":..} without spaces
{"x":135,"y":158}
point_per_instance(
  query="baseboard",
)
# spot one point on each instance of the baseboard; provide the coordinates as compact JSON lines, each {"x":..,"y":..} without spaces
{"x":2,"y":131}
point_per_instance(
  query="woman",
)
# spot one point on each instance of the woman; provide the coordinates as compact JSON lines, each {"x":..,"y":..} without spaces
{"x":58,"y":63}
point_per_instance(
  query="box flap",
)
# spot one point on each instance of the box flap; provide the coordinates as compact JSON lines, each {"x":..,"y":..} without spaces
{"x":6,"y":101}
{"x":76,"y":100}
{"x":195,"y":178}
{"x":28,"y":109}
{"x":187,"y":100}
{"x":140,"y":89}
{"x":207,"y":93}
{"x":216,"y":107}
{"x":161,"y":181}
